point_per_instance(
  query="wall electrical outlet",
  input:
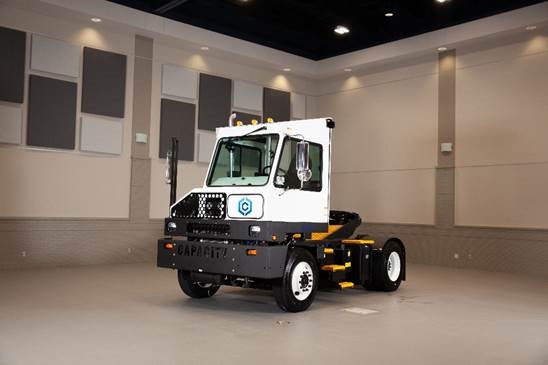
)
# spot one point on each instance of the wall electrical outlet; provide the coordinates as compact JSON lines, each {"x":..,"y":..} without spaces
{"x":141,"y":138}
{"x":446,"y":147}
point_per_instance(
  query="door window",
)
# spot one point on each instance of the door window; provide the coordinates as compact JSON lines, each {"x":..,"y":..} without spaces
{"x":286,"y":173}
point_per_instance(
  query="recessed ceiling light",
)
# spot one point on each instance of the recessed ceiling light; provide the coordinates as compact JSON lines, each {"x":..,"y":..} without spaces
{"x":287,"y":69}
{"x":347,"y":70}
{"x":442,"y":49}
{"x":341,"y":29}
{"x":204,"y":48}
{"x":96,"y":20}
{"x":389,"y":15}
{"x":531,"y":27}
{"x":442,"y":1}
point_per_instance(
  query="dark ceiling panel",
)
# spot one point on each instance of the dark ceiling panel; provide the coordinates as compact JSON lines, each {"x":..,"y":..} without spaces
{"x":305,"y":27}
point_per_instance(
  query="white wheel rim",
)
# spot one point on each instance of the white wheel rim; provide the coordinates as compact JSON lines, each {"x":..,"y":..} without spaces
{"x":393,"y":266}
{"x":302,"y":281}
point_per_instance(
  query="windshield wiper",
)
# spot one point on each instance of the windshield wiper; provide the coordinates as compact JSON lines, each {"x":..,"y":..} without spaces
{"x":254,"y":131}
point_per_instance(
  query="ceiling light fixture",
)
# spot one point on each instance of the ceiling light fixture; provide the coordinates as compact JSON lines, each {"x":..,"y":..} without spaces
{"x":388,"y":15}
{"x":531,"y":27}
{"x":442,"y":1}
{"x":96,"y":20}
{"x":341,"y":29}
{"x":287,"y":69}
{"x":442,"y":49}
{"x":204,"y":48}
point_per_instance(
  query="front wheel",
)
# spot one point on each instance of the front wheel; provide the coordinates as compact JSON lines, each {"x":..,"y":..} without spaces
{"x":388,"y":268}
{"x":297,"y":288}
{"x":195,"y":289}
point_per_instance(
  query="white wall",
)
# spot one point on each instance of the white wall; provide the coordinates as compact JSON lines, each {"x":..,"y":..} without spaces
{"x":502,"y":134}
{"x":59,"y":183}
{"x":79,"y":181}
{"x":384,"y":147}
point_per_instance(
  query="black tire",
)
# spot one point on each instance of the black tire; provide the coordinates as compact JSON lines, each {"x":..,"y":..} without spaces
{"x":381,"y":264}
{"x":195,"y":289}
{"x":286,"y":298}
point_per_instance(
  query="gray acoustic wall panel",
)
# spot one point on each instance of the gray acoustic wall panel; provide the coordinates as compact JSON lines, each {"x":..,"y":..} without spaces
{"x":177,"y":120}
{"x":206,"y":145}
{"x":298,"y":106}
{"x":248,"y":96}
{"x":101,"y":135}
{"x":276,"y":104}
{"x":247,"y":118}
{"x":215,"y":98}
{"x":12,"y":65}
{"x":10,"y":124}
{"x":52,"y":113}
{"x":180,"y":82}
{"x":52,"y":55}
{"x":104,"y":83}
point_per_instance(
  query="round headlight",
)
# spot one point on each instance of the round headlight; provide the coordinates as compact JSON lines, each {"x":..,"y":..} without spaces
{"x":171,"y":226}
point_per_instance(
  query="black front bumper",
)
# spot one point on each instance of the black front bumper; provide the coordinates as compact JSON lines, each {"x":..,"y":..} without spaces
{"x":222,"y":258}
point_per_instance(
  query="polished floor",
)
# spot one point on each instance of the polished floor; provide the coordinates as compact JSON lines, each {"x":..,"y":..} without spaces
{"x":136,"y":314}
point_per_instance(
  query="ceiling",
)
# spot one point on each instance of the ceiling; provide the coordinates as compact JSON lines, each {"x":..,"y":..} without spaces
{"x":305,"y":27}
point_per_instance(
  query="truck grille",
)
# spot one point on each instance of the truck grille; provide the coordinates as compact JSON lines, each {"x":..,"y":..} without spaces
{"x":216,"y":229}
{"x":201,"y":206}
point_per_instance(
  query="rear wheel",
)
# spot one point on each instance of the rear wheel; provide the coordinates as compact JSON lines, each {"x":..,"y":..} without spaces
{"x":195,"y":289}
{"x":388,"y":268}
{"x":297,"y":288}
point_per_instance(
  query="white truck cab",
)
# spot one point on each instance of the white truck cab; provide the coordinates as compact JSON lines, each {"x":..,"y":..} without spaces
{"x":254,"y":168}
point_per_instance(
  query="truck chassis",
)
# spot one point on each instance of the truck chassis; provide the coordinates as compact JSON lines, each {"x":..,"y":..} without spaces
{"x":294,"y":269}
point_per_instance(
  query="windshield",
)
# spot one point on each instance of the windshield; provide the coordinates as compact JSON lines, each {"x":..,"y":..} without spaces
{"x":245,"y":160}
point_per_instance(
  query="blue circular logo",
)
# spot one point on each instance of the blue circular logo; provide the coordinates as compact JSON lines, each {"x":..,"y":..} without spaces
{"x":245,"y":206}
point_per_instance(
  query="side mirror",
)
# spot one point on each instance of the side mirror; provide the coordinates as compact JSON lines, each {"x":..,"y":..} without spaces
{"x":303,"y":168}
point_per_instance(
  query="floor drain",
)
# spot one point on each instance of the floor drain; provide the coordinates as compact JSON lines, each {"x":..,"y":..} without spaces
{"x":358,"y":310}
{"x":283,"y":323}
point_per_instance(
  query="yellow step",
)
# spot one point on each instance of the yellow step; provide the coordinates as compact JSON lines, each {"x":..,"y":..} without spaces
{"x":358,"y":242}
{"x":333,"y":268}
{"x":328,"y":250}
{"x":346,"y":284}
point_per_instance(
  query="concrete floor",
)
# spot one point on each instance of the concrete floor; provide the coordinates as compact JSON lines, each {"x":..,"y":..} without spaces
{"x":136,"y":314}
